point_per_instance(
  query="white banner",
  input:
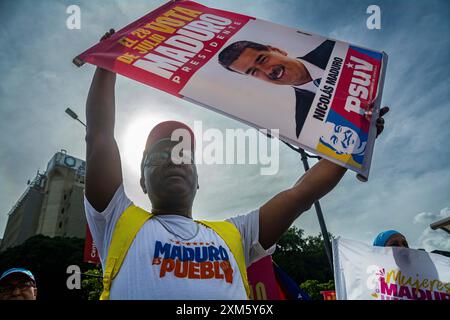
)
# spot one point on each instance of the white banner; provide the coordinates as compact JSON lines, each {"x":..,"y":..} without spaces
{"x":315,"y":90}
{"x":365,"y":272}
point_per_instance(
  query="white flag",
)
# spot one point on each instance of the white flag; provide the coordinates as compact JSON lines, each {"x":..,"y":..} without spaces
{"x":365,"y":272}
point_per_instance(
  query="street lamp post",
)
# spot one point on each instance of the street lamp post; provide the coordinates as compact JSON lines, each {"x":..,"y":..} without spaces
{"x":74,"y":116}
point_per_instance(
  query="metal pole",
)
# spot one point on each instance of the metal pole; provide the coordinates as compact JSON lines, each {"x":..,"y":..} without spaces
{"x":323,"y":227}
{"x":82,"y":123}
{"x":74,"y":116}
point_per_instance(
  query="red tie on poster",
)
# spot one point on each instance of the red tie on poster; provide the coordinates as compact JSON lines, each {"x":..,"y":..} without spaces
{"x":318,"y":92}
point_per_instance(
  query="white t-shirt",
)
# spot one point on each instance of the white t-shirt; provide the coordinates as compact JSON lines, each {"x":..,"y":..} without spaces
{"x":161,"y":265}
{"x":316,"y":73}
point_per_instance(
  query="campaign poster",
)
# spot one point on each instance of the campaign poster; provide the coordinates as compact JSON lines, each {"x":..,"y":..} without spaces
{"x":318,"y":92}
{"x":365,"y":272}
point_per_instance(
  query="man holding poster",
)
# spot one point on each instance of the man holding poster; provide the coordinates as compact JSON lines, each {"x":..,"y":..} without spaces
{"x":166,"y":254}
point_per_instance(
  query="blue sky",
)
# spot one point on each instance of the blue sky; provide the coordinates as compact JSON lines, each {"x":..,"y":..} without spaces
{"x":410,"y":175}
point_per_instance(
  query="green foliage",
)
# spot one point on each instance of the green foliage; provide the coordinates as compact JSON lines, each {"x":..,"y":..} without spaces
{"x":313,"y":288}
{"x":91,"y":285}
{"x":303,"y":258}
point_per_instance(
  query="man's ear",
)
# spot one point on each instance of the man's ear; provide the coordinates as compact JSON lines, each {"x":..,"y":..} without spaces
{"x":142,"y":183}
{"x":35,"y":292}
{"x":284,"y":53}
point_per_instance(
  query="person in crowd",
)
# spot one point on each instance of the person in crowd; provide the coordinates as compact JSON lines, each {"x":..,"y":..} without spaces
{"x":390,"y":238}
{"x":166,"y":254}
{"x":18,"y":284}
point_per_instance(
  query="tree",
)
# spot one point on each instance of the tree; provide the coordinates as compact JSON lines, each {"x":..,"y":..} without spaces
{"x":92,"y":285}
{"x":313,"y":288}
{"x":305,"y":260}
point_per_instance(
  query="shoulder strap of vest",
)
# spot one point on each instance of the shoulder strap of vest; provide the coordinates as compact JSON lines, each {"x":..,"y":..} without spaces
{"x":232,"y":237}
{"x":128,"y":225}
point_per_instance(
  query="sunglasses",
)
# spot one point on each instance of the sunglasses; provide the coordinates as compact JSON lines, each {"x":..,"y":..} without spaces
{"x":158,"y":158}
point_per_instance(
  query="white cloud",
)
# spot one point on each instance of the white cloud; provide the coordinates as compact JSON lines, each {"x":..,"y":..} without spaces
{"x":428,"y":217}
{"x":433,"y":239}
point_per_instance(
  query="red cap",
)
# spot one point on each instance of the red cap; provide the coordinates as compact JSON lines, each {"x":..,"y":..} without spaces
{"x":164,"y":130}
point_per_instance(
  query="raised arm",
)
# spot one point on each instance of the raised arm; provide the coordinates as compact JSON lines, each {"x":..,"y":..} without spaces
{"x":278,"y":214}
{"x":103,"y":167}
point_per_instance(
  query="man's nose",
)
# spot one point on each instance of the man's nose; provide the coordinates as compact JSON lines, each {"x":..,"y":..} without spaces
{"x":266,"y":68}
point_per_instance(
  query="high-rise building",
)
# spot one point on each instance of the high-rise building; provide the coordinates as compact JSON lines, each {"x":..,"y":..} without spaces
{"x":52,"y":204}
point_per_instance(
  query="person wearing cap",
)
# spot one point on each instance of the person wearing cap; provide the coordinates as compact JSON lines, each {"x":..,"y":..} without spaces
{"x":390,"y":238}
{"x":172,"y":256}
{"x":17,"y":284}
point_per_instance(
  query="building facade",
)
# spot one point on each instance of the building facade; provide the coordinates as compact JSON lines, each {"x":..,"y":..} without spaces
{"x":52,"y":204}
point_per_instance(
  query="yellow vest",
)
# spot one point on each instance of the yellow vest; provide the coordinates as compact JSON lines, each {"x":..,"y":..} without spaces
{"x":129,"y":224}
